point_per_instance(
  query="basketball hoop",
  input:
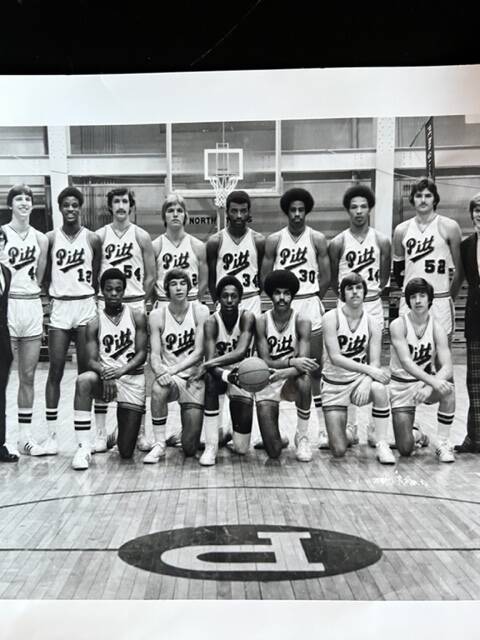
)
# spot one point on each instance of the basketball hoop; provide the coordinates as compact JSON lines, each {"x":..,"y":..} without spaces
{"x":222,"y":186}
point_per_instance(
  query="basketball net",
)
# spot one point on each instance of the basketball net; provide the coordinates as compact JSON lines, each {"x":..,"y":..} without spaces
{"x":222,"y":184}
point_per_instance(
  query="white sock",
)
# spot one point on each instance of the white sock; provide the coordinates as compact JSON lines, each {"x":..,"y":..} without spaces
{"x":444,"y":424}
{"x":101,"y":409}
{"x":82,"y":421}
{"x":25,"y":424}
{"x":51,"y":415}
{"x":241,"y":441}
{"x":381,"y":418}
{"x":352,"y":412}
{"x":159,"y":427}
{"x":317,"y":401}
{"x":210,"y":425}
{"x":303,"y":418}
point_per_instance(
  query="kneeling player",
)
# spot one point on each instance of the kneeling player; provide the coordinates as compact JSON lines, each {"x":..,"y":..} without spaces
{"x":176,"y":340}
{"x":228,"y":339}
{"x":116,"y":349}
{"x":419,"y":343}
{"x":351,"y":371}
{"x":283,"y":341}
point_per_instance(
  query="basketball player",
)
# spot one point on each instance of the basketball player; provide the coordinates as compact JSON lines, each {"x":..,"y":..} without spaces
{"x":128,"y":247}
{"x":283,"y":341}
{"x":26,"y":257}
{"x":422,"y":370}
{"x":361,"y":249}
{"x":303,"y":251}
{"x":177,"y":249}
{"x":72,"y":270}
{"x":116,"y":350}
{"x":176,"y":342}
{"x":351,"y":371}
{"x":228,"y":336}
{"x":237,"y":251}
{"x":426,"y":246}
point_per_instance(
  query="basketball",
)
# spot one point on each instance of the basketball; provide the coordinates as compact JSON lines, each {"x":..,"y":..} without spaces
{"x":253,"y":374}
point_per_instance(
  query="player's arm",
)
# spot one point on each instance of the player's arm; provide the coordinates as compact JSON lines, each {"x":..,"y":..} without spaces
{"x":443,"y":351}
{"x":196,"y":356}
{"x":260,"y":246}
{"x":385,"y":247}
{"x":47,"y":277}
{"x":212,"y":253}
{"x":43,"y":243}
{"x":268,"y":261}
{"x":155,"y":323}
{"x":96,"y":245}
{"x":335,"y":249}
{"x":375,"y":344}
{"x":149,"y":267}
{"x":200,"y":251}
{"x":399,"y":254}
{"x":247,"y":328}
{"x":454,"y":238}
{"x":91,"y":345}
{"x":323,"y":262}
{"x":141,"y":338}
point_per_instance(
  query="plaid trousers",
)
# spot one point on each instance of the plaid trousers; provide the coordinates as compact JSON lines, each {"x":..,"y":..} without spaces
{"x":473,"y":388}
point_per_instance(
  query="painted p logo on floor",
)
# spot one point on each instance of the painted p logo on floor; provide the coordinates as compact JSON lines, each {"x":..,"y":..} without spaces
{"x":249,"y":552}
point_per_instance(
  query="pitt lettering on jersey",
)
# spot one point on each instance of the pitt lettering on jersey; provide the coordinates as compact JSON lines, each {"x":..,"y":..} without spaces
{"x":117,"y":254}
{"x":221,"y":348}
{"x":279,"y":348}
{"x":291,"y":258}
{"x":67,"y":260}
{"x":20,"y":258}
{"x":180,"y":261}
{"x":116,"y":344}
{"x":418,"y":249}
{"x":351,"y":347}
{"x":178,"y":343}
{"x":358,"y":260}
{"x":421,"y":353}
{"x":233,"y":264}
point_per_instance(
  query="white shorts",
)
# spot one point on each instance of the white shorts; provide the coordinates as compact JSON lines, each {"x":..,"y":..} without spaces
{"x":252,"y":304}
{"x":442,"y":310}
{"x":339,"y":394}
{"x":194,"y":393}
{"x":311,"y":308}
{"x":135,"y":305}
{"x":402,"y":393}
{"x":25,"y":318}
{"x":71,"y":314}
{"x":131,"y":391}
{"x":277,"y":391}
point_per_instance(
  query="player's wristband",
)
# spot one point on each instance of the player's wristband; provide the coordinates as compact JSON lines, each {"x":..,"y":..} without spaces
{"x":225,"y":375}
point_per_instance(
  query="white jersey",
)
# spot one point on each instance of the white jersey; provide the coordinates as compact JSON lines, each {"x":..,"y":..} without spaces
{"x":227,"y":341}
{"x":362,"y":258}
{"x":71,"y":266}
{"x":116,"y":341}
{"x":299,"y":256}
{"x":281,"y":344}
{"x":124,"y":253}
{"x":427,"y":255}
{"x":239,"y":259}
{"x":352,"y":344}
{"x":422,"y":350}
{"x":182,"y":257}
{"x":178,"y":338}
{"x":22,"y":254}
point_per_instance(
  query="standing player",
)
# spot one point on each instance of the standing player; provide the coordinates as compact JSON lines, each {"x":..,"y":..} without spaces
{"x":419,"y":346}
{"x":303,"y":251}
{"x":283,"y":341}
{"x":72,"y":269}
{"x":128,"y":247}
{"x":426,"y":246}
{"x":237,"y":251}
{"x":176,"y":342}
{"x":116,"y":351}
{"x":351,"y":370}
{"x":361,"y":249}
{"x":177,"y":249}
{"x":228,"y":337}
{"x":6,"y":350}
{"x":26,"y":257}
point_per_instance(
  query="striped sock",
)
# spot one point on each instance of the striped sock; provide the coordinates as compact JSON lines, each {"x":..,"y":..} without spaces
{"x":303,"y":417}
{"x":52,"y":417}
{"x":101,"y":409}
{"x":82,"y":421}
{"x":444,"y":423}
{"x":159,"y":426}
{"x":381,"y":418}
{"x":210,"y":425}
{"x":24,"y":424}
{"x":317,"y":401}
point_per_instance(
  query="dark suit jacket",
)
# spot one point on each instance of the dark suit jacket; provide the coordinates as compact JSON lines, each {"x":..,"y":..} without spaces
{"x":5,"y":348}
{"x":468,"y":251}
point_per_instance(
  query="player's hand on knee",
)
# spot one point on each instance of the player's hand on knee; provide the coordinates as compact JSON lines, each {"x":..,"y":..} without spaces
{"x":422,"y":393}
{"x":380,"y":375}
{"x":164,"y":380}
{"x":443,"y":387}
{"x":361,"y":395}
{"x":275,"y":375}
{"x":109,"y":390}
{"x":111,"y":373}
{"x":303,"y":364}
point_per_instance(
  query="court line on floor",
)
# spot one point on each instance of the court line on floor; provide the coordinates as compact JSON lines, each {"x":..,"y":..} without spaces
{"x":237,"y":488}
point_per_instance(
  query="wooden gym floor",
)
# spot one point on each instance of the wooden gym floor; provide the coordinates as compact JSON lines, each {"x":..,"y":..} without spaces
{"x":60,"y":529}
